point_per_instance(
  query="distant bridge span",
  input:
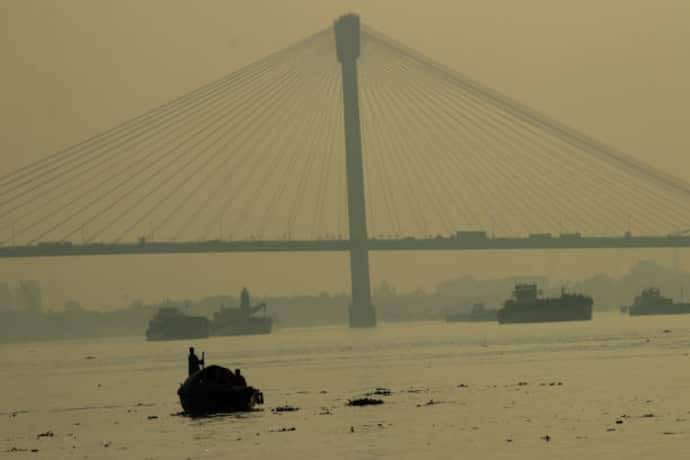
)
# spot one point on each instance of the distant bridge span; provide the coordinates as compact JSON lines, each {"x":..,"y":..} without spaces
{"x":260,"y":151}
{"x":404,"y":244}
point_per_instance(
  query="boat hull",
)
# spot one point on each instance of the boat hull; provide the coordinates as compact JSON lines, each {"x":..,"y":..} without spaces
{"x":211,"y":399}
{"x":648,"y":310}
{"x":180,"y":328}
{"x":546,"y":314}
{"x":211,"y":391}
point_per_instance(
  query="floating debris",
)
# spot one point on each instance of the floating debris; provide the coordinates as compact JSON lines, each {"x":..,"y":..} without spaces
{"x":364,"y":402}
{"x":650,"y":415}
{"x":417,"y":390}
{"x":462,"y":385}
{"x":285,"y":408}
{"x":380,"y":391}
{"x":284,"y":429}
{"x":47,"y":434}
{"x":546,"y":438}
{"x":152,"y":417}
{"x":430,"y":402}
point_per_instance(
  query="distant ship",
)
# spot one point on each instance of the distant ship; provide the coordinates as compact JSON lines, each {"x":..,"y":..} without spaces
{"x":478,"y":313}
{"x":651,"y":302}
{"x":171,"y":324}
{"x":240,"y":321}
{"x":527,"y":307}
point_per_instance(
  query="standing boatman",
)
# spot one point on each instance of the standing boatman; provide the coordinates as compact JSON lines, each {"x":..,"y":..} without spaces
{"x":193,"y":361}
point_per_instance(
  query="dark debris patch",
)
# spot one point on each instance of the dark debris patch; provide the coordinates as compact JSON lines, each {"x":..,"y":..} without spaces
{"x":430,"y":402}
{"x":284,"y":429}
{"x":380,"y":391}
{"x":47,"y":434}
{"x":285,"y":408}
{"x":418,"y":390}
{"x":364,"y":402}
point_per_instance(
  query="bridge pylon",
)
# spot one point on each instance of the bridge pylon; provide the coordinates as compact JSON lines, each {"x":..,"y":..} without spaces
{"x":347,"y":40}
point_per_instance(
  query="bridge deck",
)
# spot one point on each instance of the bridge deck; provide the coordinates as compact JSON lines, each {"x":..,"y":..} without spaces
{"x":405,"y":244}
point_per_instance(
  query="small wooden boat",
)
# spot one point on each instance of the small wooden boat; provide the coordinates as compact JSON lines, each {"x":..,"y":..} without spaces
{"x":215,"y":389}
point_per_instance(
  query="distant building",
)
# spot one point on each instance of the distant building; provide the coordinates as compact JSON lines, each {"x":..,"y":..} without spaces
{"x":28,"y":296}
{"x":6,"y":299}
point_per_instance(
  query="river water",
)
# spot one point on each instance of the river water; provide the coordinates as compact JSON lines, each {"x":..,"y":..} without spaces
{"x":615,"y":387}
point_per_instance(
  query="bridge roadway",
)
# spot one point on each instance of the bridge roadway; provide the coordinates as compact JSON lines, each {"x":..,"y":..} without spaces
{"x":403,"y":244}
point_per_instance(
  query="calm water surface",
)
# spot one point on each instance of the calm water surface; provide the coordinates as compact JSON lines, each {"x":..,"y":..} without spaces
{"x":615,"y":387}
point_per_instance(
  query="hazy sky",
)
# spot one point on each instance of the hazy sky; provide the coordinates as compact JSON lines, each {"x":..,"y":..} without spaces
{"x":618,"y":70}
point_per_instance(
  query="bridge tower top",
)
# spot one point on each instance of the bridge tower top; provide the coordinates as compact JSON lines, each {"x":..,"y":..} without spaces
{"x":347,"y":37}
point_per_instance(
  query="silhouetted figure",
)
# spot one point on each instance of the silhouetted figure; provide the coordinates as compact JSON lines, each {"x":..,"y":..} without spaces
{"x":239,"y":378}
{"x":193,"y":362}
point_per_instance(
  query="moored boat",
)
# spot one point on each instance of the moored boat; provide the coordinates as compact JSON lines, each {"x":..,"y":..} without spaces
{"x":527,"y":306}
{"x":241,"y":321}
{"x":651,"y":302}
{"x":171,"y":324}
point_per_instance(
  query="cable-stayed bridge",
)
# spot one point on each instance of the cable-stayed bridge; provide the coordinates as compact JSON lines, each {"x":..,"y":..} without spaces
{"x":345,"y":141}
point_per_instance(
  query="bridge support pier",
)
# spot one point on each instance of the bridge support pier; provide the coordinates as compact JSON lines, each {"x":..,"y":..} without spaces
{"x":347,"y":40}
